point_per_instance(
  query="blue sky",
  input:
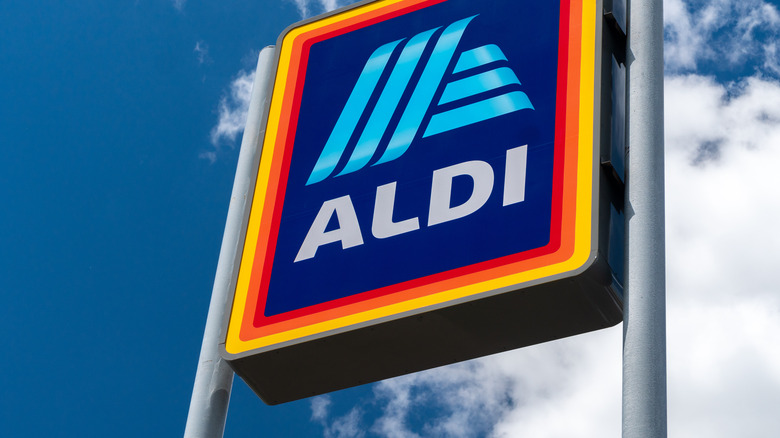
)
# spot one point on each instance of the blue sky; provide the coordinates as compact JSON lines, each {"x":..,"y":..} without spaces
{"x":119,"y":128}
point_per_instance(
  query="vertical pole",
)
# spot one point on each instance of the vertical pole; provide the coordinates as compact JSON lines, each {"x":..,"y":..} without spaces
{"x":644,"y":326}
{"x":214,"y":378}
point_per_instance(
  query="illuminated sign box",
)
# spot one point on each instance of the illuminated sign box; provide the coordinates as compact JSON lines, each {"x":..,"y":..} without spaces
{"x":429,"y":191}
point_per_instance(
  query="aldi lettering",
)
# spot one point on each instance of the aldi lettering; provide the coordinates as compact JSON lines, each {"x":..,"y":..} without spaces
{"x":441,"y":209}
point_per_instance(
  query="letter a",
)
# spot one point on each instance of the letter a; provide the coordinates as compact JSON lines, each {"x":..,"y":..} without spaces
{"x":348,"y":232}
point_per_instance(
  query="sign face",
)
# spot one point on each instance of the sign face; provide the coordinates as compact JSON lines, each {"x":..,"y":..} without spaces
{"x":418,"y":154}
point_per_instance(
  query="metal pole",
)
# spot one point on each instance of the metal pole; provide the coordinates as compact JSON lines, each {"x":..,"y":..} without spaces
{"x":214,"y":378}
{"x":644,"y":326}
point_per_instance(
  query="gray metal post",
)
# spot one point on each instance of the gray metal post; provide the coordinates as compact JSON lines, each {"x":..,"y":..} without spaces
{"x":214,"y":378}
{"x":644,"y":327}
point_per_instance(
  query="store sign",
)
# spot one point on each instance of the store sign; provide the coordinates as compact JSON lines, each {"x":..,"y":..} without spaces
{"x":420,"y":157}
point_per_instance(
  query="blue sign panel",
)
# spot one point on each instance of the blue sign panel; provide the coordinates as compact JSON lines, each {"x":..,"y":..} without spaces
{"x":417,"y":94}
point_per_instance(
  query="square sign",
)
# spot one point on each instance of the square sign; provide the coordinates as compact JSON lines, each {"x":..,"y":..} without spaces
{"x":427,"y":193}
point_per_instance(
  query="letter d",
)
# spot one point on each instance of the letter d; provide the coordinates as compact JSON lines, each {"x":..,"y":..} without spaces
{"x":441,"y":191}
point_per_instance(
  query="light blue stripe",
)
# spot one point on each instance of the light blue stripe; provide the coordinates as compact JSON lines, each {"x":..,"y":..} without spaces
{"x":479,"y":56}
{"x":426,"y":88}
{"x":478,"y":112}
{"x":479,"y":83}
{"x":351,"y":113}
{"x":388,"y":102}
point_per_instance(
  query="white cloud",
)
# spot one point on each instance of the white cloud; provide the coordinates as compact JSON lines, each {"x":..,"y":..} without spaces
{"x":772,"y":58}
{"x":568,"y":388}
{"x":319,"y":407}
{"x":723,"y":149}
{"x":308,"y":8}
{"x":179,"y":4}
{"x":723,"y":253}
{"x":727,"y":32}
{"x":346,"y":426}
{"x":232,"y":110}
{"x":233,"y":107}
{"x":202,"y":52}
{"x":469,"y":398}
{"x":575,"y":389}
{"x":303,"y":7}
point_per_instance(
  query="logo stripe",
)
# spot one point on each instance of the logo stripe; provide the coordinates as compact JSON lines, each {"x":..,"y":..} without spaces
{"x":426,"y":88}
{"x":477,"y":112}
{"x":388,"y":102}
{"x":349,"y":117}
{"x":479,"y":56}
{"x":479,"y":83}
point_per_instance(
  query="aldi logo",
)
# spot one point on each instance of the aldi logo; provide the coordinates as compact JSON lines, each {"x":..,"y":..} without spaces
{"x":419,"y":155}
{"x":480,"y":82}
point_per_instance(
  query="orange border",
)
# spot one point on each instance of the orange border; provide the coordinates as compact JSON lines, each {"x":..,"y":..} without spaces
{"x":577,"y":190}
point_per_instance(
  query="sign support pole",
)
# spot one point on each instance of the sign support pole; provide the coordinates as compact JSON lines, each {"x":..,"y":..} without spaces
{"x":214,"y":377}
{"x":644,"y":326}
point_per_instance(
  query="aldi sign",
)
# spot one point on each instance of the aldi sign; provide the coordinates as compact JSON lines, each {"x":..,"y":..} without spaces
{"x":427,"y":193}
